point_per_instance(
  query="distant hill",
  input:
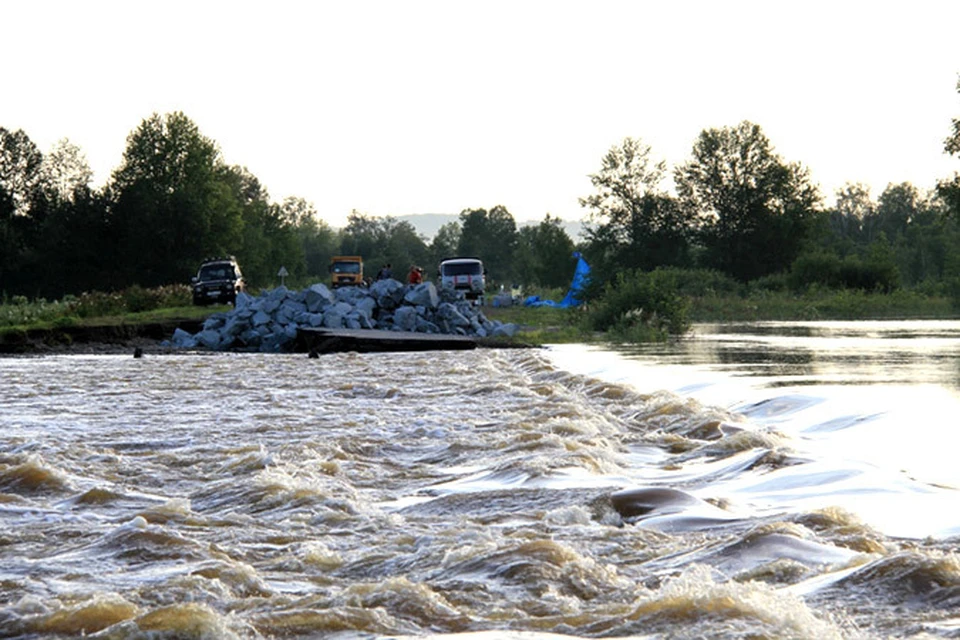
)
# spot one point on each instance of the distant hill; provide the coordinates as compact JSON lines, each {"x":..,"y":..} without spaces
{"x":427,"y":224}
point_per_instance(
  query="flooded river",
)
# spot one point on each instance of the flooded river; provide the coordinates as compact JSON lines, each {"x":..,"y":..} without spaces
{"x":794,"y":480}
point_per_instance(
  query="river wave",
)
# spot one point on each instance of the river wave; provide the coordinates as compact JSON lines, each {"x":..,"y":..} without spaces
{"x":480,"y":494}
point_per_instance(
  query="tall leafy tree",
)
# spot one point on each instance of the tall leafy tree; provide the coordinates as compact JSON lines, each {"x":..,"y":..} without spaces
{"x":20,"y":176}
{"x":852,"y":215}
{"x":65,"y":172}
{"x":492,"y":237}
{"x":20,"y":215}
{"x":363,"y":236}
{"x":172,"y":205}
{"x":76,"y":246}
{"x":544,"y":254}
{"x":268,"y":237}
{"x":949,"y":189}
{"x":405,"y":247}
{"x":318,"y":239}
{"x":633,"y":223}
{"x":383,"y":240}
{"x":444,"y":243}
{"x":930,"y":239}
{"x":899,"y":205}
{"x":754,"y":209}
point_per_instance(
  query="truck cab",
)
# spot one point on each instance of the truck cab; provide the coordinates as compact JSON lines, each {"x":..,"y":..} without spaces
{"x":346,"y":271}
{"x":463,"y":274}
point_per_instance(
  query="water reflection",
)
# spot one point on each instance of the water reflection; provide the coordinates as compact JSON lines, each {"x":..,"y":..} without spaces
{"x":885,"y":394}
{"x":814,"y":353}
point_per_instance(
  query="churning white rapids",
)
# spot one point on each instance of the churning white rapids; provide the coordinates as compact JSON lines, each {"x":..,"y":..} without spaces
{"x":535,"y":494}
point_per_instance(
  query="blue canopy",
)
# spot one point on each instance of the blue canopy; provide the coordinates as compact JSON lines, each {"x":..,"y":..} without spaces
{"x":580,"y":278}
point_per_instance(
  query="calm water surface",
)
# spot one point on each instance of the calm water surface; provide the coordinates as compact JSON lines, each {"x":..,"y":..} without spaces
{"x":773,"y":480}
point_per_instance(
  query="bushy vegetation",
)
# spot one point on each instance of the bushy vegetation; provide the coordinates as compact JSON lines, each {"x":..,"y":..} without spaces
{"x":640,"y":306}
{"x":19,"y":311}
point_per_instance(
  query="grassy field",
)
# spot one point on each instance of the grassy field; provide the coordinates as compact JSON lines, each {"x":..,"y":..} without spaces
{"x":543,"y":325}
{"x":822,"y":305}
{"x":548,"y":325}
{"x":539,"y":325}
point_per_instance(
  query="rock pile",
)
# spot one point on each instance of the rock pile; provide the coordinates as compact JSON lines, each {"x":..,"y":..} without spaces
{"x":270,"y":322}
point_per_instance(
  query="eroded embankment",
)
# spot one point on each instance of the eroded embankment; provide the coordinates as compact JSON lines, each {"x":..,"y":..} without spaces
{"x":95,"y":339}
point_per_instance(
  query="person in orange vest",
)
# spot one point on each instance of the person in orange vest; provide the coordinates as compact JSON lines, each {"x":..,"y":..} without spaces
{"x":415,"y":276}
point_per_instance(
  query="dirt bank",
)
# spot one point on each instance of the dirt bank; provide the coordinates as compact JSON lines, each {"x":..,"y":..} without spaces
{"x":106,"y":339}
{"x":148,"y":338}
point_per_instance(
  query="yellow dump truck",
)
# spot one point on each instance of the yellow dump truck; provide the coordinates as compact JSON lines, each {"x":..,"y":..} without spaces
{"x":346,"y":271}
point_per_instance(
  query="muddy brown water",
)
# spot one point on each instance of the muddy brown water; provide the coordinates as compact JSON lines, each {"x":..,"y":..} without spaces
{"x":794,"y":480}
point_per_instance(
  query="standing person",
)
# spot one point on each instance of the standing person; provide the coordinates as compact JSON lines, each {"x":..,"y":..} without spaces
{"x":385,"y":273}
{"x":415,"y":276}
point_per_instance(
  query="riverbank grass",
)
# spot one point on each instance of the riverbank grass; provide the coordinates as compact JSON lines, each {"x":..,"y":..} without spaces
{"x":844,"y":304}
{"x":538,"y":325}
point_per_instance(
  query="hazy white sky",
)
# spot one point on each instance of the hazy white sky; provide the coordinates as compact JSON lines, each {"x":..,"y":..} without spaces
{"x":398,"y":107}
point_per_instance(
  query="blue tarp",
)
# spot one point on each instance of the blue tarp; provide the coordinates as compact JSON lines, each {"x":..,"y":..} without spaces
{"x":580,"y":277}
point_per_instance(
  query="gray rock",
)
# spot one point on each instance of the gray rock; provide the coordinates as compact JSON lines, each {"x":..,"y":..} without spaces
{"x":405,"y":319}
{"x":450,"y":295}
{"x":215,"y":321}
{"x":272,"y":301}
{"x":233,"y":327}
{"x":209,"y":338}
{"x":343,"y":308}
{"x":251,"y":338}
{"x":425,"y":326}
{"x":243,"y":301}
{"x":183,"y":339}
{"x":387,"y":293}
{"x":423,"y":295}
{"x":317,"y":296}
{"x":452,"y":315}
{"x":508,"y":330}
{"x":270,"y":322}
{"x":367,"y":306}
{"x":289,"y":309}
{"x":351,"y":295}
{"x":332,"y":319}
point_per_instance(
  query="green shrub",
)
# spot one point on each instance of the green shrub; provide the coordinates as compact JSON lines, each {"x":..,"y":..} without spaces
{"x":96,"y":304}
{"x":65,"y":321}
{"x":816,"y":268}
{"x":869,"y":275}
{"x":697,"y":282}
{"x":640,"y":306}
{"x":775,"y":282}
{"x":953,"y":291}
{"x":136,"y":299}
{"x":174,"y":295}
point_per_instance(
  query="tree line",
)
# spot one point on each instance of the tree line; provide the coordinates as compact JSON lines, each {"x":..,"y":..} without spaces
{"x":742,"y":211}
{"x":174,"y":201}
{"x":736,"y":208}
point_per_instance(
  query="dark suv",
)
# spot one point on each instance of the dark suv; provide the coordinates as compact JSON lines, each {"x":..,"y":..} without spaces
{"x":218,"y":280}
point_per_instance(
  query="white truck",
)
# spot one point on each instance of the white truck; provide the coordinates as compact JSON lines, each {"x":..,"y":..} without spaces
{"x":463,"y":274}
